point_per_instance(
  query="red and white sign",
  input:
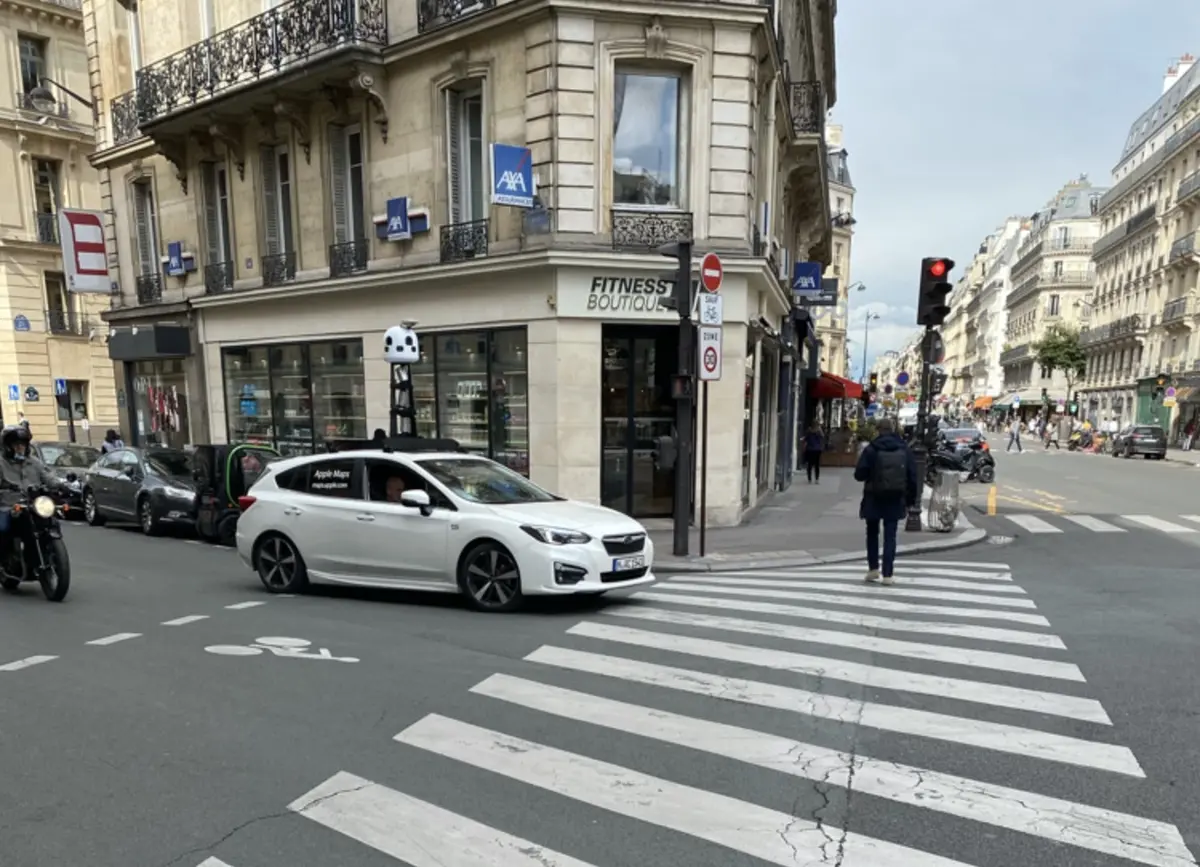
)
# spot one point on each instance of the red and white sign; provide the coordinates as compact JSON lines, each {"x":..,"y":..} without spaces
{"x":711,"y":272}
{"x":85,"y":259}
{"x":710,"y":353}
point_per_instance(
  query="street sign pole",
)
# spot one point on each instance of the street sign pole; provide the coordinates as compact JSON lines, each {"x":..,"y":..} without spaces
{"x":711,"y":350}
{"x":912,"y":523}
{"x":703,"y":463}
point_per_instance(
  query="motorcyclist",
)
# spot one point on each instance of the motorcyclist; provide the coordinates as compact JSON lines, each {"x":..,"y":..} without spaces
{"x":19,"y":471}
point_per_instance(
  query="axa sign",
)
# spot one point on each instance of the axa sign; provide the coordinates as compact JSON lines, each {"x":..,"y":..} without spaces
{"x":85,"y":259}
{"x":806,"y":279}
{"x":512,"y":176}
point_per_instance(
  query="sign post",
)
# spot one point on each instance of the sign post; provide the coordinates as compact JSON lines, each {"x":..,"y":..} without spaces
{"x":710,"y":371}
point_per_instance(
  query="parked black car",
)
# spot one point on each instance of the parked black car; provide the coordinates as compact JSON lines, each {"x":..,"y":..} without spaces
{"x":1149,"y":440}
{"x":150,"y":486}
{"x":63,"y":458}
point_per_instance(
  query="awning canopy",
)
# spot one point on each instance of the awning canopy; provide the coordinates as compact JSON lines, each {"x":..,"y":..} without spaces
{"x":983,"y":402}
{"x":830,"y":386}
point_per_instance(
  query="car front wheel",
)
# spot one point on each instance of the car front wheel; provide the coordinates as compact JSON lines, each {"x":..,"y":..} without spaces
{"x":91,"y":513}
{"x":490,"y":579}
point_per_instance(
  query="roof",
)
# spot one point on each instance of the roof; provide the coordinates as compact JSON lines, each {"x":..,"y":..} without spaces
{"x":1160,"y":113}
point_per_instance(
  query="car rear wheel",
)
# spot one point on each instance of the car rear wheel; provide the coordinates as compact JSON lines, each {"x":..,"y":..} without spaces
{"x":490,"y":579}
{"x":279,"y":565}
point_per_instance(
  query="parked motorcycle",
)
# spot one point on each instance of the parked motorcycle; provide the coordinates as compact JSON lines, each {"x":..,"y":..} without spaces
{"x":1079,"y":440}
{"x":975,"y":462}
{"x":35,"y":547}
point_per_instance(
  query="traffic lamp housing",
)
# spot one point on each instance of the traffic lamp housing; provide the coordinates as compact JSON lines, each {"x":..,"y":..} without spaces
{"x":874,"y":382}
{"x":934,"y":295}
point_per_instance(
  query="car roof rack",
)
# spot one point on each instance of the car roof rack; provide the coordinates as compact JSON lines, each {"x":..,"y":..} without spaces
{"x":407,"y":444}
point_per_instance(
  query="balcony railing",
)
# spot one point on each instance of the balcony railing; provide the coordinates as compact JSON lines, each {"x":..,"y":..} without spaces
{"x":1127,"y":325}
{"x":292,"y":33}
{"x":1187,"y":186}
{"x":149,"y":288}
{"x":1017,"y":353}
{"x":61,"y":109}
{"x":1027,"y":287}
{"x":1137,"y":222}
{"x":808,"y":108}
{"x":68,"y":322}
{"x":45,"y":227}
{"x":218,"y":278}
{"x":460,"y":242}
{"x":649,"y":230}
{"x":123,"y":112}
{"x":278,"y":268}
{"x":1178,"y":309}
{"x":1183,"y":247}
{"x":1067,"y":278}
{"x":435,"y":14}
{"x":1068,"y":245}
{"x":349,"y":258}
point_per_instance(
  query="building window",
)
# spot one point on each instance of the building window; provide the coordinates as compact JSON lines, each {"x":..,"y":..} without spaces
{"x":649,"y":138}
{"x":1055,"y":306}
{"x":218,"y":227}
{"x":297,"y":396}
{"x":145,"y":220}
{"x":61,"y":314}
{"x":347,"y":186}
{"x":73,"y":406}
{"x":473,"y":387}
{"x":467,"y":182}
{"x":32,"y":50}
{"x":46,"y":199}
{"x":277,"y":193}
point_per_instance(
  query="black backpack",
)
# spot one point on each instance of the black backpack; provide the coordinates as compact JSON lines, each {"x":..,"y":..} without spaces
{"x":889,"y":475}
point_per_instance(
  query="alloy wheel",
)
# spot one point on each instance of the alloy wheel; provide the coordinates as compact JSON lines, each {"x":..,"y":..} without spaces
{"x":147,"y":516}
{"x":277,"y":563}
{"x":89,"y":507}
{"x":492,"y":578}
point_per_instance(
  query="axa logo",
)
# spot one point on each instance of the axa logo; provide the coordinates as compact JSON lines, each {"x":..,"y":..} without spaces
{"x":513,"y":182}
{"x":805,"y":282}
{"x":396,"y":224}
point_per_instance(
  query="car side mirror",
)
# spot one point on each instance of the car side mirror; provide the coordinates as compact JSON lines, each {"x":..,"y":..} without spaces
{"x":417,"y":499}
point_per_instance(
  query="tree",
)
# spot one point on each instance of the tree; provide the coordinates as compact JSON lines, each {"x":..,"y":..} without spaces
{"x":1060,"y":350}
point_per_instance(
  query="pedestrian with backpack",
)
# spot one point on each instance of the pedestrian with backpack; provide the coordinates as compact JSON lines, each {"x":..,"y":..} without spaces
{"x":888,"y":472}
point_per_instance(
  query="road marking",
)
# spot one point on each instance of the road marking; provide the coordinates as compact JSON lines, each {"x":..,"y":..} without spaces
{"x":113,"y":639}
{"x":417,"y":832}
{"x":1091,"y":522}
{"x":27,"y":662}
{"x":213,"y":862}
{"x":772,"y":836}
{"x":1033,"y":524}
{"x":1193,"y":518}
{"x":991,"y":501}
{"x":1049,"y":496}
{"x":788,"y":579}
{"x":184,"y":621}
{"x":967,"y":731}
{"x":887,"y":646}
{"x":901,"y":570}
{"x":858,"y":588}
{"x":242,"y":606}
{"x":877,"y":603}
{"x":1158,"y":524}
{"x":961,"y":564}
{"x":1033,"y":504}
{"x":874,"y":676}
{"x":1061,"y":821}
{"x":866,"y":621}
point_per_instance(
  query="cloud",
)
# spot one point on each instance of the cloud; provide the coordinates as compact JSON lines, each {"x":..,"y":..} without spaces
{"x":893,"y":329}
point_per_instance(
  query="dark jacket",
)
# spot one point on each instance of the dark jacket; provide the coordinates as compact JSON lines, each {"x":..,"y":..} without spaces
{"x":18,"y":476}
{"x":885,"y":507}
{"x":814,"y":441}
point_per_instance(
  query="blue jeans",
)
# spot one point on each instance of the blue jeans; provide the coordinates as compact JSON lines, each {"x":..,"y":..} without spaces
{"x":889,"y":544}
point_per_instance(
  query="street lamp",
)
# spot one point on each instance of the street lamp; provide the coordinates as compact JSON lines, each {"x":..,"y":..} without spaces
{"x":866,"y":332}
{"x":44,"y":102}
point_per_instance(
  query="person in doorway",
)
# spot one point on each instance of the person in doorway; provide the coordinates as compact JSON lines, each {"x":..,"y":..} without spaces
{"x":1189,"y":435}
{"x":814,"y":445}
{"x":1014,"y":435}
{"x":888,"y":472}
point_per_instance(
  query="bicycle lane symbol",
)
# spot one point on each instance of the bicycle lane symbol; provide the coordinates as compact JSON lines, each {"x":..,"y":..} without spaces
{"x":292,"y":648}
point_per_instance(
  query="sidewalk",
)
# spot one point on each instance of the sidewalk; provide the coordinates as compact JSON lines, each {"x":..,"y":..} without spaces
{"x":803,"y":526}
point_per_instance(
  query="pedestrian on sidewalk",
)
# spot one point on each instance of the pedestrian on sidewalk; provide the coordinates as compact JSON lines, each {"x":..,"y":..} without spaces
{"x":814,"y":444}
{"x":888,"y":472}
{"x":1014,"y":435}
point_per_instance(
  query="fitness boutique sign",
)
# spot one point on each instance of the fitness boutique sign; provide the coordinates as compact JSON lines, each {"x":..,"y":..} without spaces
{"x":614,"y":296}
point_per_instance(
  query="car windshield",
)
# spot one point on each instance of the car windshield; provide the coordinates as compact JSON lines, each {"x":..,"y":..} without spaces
{"x":170,"y":463}
{"x":69,"y":456}
{"x":483,"y":481}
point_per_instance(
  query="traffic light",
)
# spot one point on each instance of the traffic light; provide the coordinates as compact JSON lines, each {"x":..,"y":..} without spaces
{"x":874,"y":382}
{"x":932,"y":308}
{"x":1160,"y":386}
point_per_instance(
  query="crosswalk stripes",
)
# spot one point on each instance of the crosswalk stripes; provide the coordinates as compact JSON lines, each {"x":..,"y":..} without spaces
{"x":1044,"y":523}
{"x":691,"y":624}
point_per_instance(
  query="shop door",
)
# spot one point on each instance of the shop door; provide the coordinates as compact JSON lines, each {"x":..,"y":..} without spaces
{"x":637,"y":410}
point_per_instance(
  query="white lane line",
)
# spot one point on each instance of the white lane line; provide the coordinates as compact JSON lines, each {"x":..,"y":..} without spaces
{"x":1192,"y":518}
{"x":901,"y":569}
{"x":1009,"y":662}
{"x":1033,"y":524}
{"x":114,"y":639}
{"x":212,"y":862}
{"x":876,"y":602}
{"x":775,"y":837}
{"x":184,"y":621}
{"x":803,"y":579}
{"x":994,"y":694}
{"x":1158,"y":524}
{"x":865,"y":621}
{"x":1091,"y":522}
{"x":27,"y":662}
{"x":1065,"y":822}
{"x":860,"y":588}
{"x":966,"y":731}
{"x":242,"y":606}
{"x":417,"y":832}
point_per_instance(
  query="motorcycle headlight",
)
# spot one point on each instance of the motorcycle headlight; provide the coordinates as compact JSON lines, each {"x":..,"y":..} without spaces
{"x":557,"y":536}
{"x":43,"y":507}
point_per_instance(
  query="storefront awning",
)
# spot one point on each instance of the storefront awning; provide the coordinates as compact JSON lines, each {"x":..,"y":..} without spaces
{"x":831,"y":386}
{"x":1005,"y":402}
{"x":983,"y":402}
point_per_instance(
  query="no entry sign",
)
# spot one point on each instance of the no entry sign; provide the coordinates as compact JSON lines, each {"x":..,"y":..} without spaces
{"x":711,"y":272}
{"x":710,"y":353}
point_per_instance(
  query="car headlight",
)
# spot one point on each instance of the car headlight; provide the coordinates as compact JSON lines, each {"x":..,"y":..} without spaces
{"x":181,"y":493}
{"x":43,"y":507}
{"x":557,"y":536}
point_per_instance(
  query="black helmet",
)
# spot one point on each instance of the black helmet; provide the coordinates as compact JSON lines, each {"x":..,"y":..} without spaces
{"x":13,"y":434}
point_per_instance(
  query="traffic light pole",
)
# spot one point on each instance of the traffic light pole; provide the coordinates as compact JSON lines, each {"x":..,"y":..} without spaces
{"x":685,"y":402}
{"x":912,"y":523}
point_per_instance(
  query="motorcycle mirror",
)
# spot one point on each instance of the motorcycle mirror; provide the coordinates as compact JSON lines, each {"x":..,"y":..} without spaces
{"x":71,"y":477}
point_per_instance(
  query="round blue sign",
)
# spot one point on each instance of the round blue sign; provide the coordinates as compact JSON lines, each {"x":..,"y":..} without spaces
{"x":902,"y":379}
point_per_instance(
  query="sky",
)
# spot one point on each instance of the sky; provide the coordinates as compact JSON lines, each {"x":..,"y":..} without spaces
{"x":959,"y":113}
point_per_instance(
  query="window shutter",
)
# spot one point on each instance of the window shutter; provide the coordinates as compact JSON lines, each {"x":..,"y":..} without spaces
{"x":339,"y":187}
{"x":212,"y":220}
{"x":143,"y":227}
{"x":270,"y":201}
{"x":454,"y":154}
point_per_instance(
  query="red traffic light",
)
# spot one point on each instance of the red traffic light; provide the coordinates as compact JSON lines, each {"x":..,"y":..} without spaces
{"x":938,"y":268}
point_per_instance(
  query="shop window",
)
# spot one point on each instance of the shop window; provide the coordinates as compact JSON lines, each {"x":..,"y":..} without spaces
{"x":277,"y":194}
{"x":346,"y":184}
{"x":145,"y":227}
{"x":73,"y":406}
{"x":467,"y":179}
{"x":160,"y":405}
{"x":649,"y":150}
{"x":766,"y":388}
{"x":297,"y":396}
{"x":748,"y":420}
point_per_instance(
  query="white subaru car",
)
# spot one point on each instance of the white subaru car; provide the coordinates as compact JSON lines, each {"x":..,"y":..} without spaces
{"x":441,"y":521}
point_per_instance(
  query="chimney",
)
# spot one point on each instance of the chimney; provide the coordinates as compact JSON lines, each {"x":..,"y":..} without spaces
{"x":1170,"y":78}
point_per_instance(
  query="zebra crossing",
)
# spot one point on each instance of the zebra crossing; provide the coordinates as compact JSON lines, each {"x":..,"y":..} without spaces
{"x":823,"y":646}
{"x":1047,"y":523}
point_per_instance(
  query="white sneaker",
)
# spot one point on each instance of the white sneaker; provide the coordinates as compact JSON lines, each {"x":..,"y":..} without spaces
{"x":872,"y":576}
{"x":888,"y":580}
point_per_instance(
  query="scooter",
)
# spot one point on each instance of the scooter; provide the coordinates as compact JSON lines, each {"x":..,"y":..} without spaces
{"x":1079,"y":440}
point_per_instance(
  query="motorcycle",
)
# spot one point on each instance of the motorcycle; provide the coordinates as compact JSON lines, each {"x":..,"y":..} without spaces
{"x":1079,"y":440}
{"x":975,"y":461}
{"x":35,"y":547}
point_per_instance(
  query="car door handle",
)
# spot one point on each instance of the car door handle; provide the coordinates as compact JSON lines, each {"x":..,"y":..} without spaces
{"x":292,"y":512}
{"x":365,"y":517}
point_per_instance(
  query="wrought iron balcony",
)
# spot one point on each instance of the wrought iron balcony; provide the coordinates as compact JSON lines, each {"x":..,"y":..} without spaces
{"x":461,"y":242}
{"x":1127,"y":325}
{"x":1187,"y":187}
{"x":67,"y":322}
{"x":1017,"y":353}
{"x":294,"y":33}
{"x":149,"y":288}
{"x":435,"y":14}
{"x":349,"y":258}
{"x":1185,"y":246}
{"x":218,"y":278}
{"x":122,"y":112}
{"x":45,"y":227}
{"x":1067,"y":278}
{"x":649,"y":230}
{"x":1178,"y":309}
{"x":278,"y":268}
{"x":1145,"y":217}
{"x":808,"y":109}
{"x":1023,"y":290}
{"x":61,"y":109}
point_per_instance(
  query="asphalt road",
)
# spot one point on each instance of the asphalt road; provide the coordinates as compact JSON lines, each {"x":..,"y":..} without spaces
{"x":1031,"y":703}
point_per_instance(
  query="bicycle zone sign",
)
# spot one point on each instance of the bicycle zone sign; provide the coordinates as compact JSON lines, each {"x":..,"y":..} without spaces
{"x":709,"y":340}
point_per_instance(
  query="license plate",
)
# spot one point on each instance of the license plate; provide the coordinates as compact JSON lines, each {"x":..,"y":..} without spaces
{"x":625,"y":564}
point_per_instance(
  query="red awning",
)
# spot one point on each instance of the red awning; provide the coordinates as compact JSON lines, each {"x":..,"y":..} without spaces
{"x":830,"y":385}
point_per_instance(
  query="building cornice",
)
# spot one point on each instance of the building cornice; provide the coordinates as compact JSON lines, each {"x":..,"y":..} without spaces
{"x":63,"y":13}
